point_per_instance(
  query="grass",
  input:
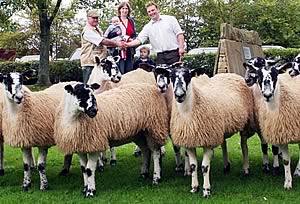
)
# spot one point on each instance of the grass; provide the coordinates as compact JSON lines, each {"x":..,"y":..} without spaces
{"x":121,"y":184}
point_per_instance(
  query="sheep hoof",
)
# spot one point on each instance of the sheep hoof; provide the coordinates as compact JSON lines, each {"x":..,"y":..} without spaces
{"x":226,"y":169}
{"x":266,"y":168}
{"x":90,"y":193}
{"x":137,"y":153}
{"x":84,"y":190}
{"x":275,"y":171}
{"x":44,"y":188}
{"x":206,"y":193}
{"x":179,"y":168}
{"x":113,"y":162}
{"x":246,"y":173}
{"x":25,"y":188}
{"x":100,"y":168}
{"x":297,"y":172}
{"x":287,"y":185}
{"x":1,"y":172}
{"x":156,"y":181}
{"x":145,"y":175}
{"x":194,"y":189}
{"x":64,"y":172}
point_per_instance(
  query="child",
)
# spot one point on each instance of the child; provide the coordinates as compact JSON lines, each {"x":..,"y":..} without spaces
{"x":144,"y":58}
{"x":115,"y":33}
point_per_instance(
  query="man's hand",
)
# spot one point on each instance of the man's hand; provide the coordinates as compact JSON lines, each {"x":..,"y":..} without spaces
{"x":181,"y":52}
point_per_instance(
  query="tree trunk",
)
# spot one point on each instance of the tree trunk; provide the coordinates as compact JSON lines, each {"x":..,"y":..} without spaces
{"x":43,"y":78}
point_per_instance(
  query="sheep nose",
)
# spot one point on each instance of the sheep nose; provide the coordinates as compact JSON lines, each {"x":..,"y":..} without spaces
{"x":92,"y":112}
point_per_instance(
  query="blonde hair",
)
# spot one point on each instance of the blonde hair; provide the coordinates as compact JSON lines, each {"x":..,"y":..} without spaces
{"x":122,"y":4}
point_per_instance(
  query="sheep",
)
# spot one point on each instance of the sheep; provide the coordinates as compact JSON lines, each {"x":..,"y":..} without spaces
{"x":277,"y":104}
{"x":140,"y":75}
{"x":105,"y":71}
{"x":202,"y":118}
{"x":28,"y":119}
{"x":123,"y":114}
{"x":250,"y":79}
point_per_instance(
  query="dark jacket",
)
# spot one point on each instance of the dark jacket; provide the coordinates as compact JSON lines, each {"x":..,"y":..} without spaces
{"x":139,"y":61}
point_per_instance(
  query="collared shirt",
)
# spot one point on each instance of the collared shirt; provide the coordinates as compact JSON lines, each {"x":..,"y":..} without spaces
{"x":92,"y":36}
{"x":162,"y":34}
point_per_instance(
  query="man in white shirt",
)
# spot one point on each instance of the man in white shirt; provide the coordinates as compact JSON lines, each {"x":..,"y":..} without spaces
{"x":93,"y":43}
{"x":164,"y":34}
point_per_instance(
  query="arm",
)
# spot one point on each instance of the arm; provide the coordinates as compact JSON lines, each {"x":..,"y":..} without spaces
{"x":133,"y":43}
{"x":110,"y":43}
{"x":180,"y":39}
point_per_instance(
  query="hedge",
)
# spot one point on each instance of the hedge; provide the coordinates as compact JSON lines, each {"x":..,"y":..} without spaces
{"x":71,"y":70}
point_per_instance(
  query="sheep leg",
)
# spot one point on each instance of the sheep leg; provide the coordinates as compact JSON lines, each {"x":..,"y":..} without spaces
{"x":146,"y":155}
{"x":275,"y":151}
{"x":225,"y":158}
{"x":187,"y":169}
{"x":137,"y":151}
{"x":113,"y":157}
{"x":83,"y":163}
{"x":194,"y":169}
{"x":179,"y":164}
{"x":1,"y":159}
{"x":27,"y":172}
{"x":67,"y":164}
{"x":90,"y":172}
{"x":157,"y":169}
{"x":43,"y":151}
{"x":32,"y":163}
{"x":205,"y":168}
{"x":100,"y":163}
{"x":244,"y":147}
{"x":163,"y":150}
{"x":264,"y":149}
{"x":287,"y":166}
{"x":297,"y":170}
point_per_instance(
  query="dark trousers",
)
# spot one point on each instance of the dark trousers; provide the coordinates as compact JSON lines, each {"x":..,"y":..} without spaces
{"x":126,"y":65}
{"x":86,"y":72}
{"x":167,"y":57}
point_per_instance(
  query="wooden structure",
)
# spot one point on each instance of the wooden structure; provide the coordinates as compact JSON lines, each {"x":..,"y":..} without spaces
{"x":235,"y":47}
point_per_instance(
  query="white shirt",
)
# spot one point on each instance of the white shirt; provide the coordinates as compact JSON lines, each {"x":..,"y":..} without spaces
{"x":162,"y":34}
{"x":92,"y":36}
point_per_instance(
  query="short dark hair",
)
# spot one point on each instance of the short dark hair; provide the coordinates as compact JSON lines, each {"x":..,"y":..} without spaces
{"x":122,"y":4}
{"x":151,"y":3}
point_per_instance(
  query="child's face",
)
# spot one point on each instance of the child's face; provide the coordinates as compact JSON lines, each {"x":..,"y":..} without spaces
{"x":143,"y":53}
{"x":115,"y":22}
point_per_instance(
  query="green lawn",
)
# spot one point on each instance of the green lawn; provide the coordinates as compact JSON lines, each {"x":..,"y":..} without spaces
{"x":121,"y":184}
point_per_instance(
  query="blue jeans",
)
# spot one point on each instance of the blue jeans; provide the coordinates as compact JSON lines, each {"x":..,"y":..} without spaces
{"x":86,"y":72}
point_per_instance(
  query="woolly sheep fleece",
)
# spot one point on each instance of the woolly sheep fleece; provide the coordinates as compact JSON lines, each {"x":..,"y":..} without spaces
{"x":33,"y":124}
{"x":221,"y":104}
{"x":281,"y":125}
{"x":122,"y":113}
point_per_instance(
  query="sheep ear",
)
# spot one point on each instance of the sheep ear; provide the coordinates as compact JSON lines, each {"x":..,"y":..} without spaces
{"x":147,"y":67}
{"x":250,"y":66}
{"x":162,"y":71}
{"x":117,"y":58}
{"x":1,"y":78}
{"x":97,"y":60}
{"x":29,"y":73}
{"x":69,"y":88}
{"x":197,"y":72}
{"x":95,"y":86}
{"x":284,"y":67}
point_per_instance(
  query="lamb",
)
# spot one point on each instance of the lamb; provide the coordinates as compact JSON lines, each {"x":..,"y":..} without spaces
{"x":200,"y":118}
{"x":277,"y":104}
{"x":77,"y":131}
{"x":28,"y":119}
